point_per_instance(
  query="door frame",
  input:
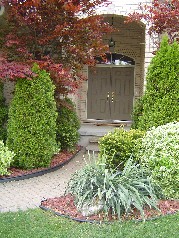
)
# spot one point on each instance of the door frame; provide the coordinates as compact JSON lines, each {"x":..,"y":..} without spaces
{"x":111,"y":66}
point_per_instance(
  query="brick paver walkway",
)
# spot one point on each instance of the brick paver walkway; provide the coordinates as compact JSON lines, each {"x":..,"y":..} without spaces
{"x":28,"y":193}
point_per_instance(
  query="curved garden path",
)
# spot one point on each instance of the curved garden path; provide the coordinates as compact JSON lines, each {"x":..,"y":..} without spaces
{"x":28,"y":193}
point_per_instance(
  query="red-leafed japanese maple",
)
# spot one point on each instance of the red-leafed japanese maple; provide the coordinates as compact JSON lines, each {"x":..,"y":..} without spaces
{"x":162,"y":16}
{"x":60,"y":35}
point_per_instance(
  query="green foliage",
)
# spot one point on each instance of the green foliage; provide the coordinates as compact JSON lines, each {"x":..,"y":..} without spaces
{"x":118,"y":146}
{"x":118,"y":192}
{"x":160,"y":101}
{"x":6,"y":157}
{"x":3,"y":115}
{"x":32,"y":121}
{"x":137,"y":113}
{"x":160,"y":154}
{"x":35,"y":223}
{"x":68,"y":125}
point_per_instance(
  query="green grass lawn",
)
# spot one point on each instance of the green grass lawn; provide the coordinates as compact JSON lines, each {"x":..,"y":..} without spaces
{"x":37,"y":224}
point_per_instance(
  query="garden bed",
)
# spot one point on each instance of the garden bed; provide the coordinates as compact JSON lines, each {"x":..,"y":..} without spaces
{"x":57,"y":162}
{"x":65,"y":206}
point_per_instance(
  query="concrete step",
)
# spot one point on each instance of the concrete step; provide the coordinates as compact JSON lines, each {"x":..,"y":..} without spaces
{"x":93,"y":144}
{"x":92,"y":147}
{"x":94,"y":139}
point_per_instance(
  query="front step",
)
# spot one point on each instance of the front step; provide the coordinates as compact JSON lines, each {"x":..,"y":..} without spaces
{"x":93,"y":145}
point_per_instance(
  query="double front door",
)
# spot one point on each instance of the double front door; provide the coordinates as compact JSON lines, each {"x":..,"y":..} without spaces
{"x":110,"y":93}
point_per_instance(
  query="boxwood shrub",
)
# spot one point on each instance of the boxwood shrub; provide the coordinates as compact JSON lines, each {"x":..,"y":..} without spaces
{"x":160,"y":154}
{"x":68,"y":125}
{"x":31,"y":131}
{"x":119,"y":146}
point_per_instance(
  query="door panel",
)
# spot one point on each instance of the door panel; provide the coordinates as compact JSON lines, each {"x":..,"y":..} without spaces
{"x":98,"y":88}
{"x":110,"y":93}
{"x":123,"y":91}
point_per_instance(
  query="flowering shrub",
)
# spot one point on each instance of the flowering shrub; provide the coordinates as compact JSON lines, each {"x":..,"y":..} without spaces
{"x":6,"y":157}
{"x":160,"y":153}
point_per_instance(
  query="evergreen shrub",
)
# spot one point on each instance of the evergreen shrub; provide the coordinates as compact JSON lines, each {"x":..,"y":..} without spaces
{"x":119,"y":146}
{"x":3,"y":115}
{"x":160,"y":154}
{"x":31,"y":131}
{"x":161,"y":98}
{"x":68,"y":125}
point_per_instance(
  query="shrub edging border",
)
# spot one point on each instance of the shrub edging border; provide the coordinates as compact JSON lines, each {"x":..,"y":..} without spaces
{"x":38,"y":173}
{"x":99,"y":222}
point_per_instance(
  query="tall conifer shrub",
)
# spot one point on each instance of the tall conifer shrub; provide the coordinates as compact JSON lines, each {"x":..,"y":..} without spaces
{"x":3,"y":114}
{"x":160,"y":103}
{"x":32,"y":121}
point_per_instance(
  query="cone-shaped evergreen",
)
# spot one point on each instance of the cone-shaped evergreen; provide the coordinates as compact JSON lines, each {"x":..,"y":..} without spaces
{"x":32,"y":122}
{"x":3,"y":114}
{"x":160,"y":103}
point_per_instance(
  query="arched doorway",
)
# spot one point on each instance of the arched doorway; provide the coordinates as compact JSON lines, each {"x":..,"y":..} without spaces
{"x":130,"y":44}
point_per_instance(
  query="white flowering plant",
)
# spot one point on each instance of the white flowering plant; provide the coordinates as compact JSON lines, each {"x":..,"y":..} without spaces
{"x":160,"y":154}
{"x":6,"y":157}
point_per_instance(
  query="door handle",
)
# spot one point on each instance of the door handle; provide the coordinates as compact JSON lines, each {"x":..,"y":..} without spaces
{"x":112,"y":99}
{"x":108,"y":97}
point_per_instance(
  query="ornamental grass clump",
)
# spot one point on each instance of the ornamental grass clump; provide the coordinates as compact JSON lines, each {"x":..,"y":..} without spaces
{"x":160,"y":154}
{"x":6,"y":158}
{"x":118,"y":192}
{"x":31,"y":131}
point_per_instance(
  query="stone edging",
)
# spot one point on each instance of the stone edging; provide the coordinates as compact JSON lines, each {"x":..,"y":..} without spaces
{"x":100,"y":222}
{"x":38,"y":173}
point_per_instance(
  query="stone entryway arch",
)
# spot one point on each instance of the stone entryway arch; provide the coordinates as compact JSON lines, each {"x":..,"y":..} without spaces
{"x":130,"y":42}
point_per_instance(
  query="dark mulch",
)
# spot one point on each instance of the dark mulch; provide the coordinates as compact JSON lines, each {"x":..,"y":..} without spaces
{"x":57,"y":160}
{"x":65,"y":206}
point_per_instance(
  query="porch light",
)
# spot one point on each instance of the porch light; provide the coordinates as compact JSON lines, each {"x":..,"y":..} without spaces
{"x":111,"y":42}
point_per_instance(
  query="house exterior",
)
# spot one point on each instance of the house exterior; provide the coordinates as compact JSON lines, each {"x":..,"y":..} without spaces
{"x":114,"y":84}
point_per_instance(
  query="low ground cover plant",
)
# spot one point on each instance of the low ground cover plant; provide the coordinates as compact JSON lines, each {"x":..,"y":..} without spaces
{"x":118,"y":146}
{"x":68,"y":125}
{"x":118,"y":192}
{"x":6,"y":157}
{"x":31,"y":131}
{"x":160,"y":154}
